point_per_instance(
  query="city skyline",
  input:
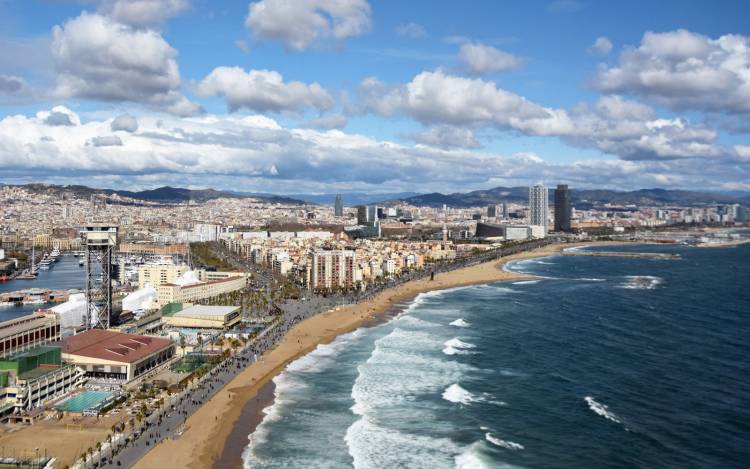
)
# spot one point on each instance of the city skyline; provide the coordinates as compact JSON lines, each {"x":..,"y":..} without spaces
{"x":373,"y":97}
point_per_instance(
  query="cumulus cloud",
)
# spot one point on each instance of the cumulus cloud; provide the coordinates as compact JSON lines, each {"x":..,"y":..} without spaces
{"x":14,"y":86}
{"x":298,"y":24}
{"x":263,"y":90}
{"x":411,"y":30}
{"x":124,"y":122}
{"x":685,"y":71}
{"x":143,"y":13}
{"x":445,"y":136}
{"x":614,"y":125}
{"x":481,"y":59}
{"x":255,"y":151}
{"x":106,"y":141}
{"x":601,"y":47}
{"x":439,"y":98}
{"x":59,"y":116}
{"x":98,"y":58}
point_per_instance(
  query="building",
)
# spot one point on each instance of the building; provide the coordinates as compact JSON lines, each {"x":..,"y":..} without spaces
{"x":27,"y":332}
{"x":109,"y":354}
{"x":505,"y":211}
{"x":154,"y":249}
{"x":338,"y":206}
{"x":332,"y":269}
{"x":491,"y":211}
{"x":200,"y":290}
{"x":562,"y":208}
{"x":204,"y":317}
{"x":159,"y":274}
{"x":31,"y":378}
{"x":507,"y":232}
{"x":362,"y":215}
{"x":538,"y":206}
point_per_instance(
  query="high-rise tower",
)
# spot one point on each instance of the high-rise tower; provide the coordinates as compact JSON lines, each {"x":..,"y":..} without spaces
{"x":99,"y":242}
{"x":338,"y":206}
{"x":538,"y":206}
{"x":562,"y":208}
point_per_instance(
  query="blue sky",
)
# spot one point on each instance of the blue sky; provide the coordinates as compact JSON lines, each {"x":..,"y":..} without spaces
{"x":321,"y":96}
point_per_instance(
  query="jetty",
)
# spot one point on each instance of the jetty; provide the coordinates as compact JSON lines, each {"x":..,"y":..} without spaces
{"x":635,"y":255}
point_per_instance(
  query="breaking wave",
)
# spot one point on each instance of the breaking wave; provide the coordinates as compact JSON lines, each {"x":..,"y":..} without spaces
{"x":601,"y":409}
{"x":459,"y":323}
{"x":503,"y":443}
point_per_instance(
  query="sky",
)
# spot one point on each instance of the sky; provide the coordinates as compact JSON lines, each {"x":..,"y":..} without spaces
{"x":322,"y":96}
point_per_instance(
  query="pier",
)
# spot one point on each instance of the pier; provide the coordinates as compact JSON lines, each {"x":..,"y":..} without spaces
{"x":635,"y":255}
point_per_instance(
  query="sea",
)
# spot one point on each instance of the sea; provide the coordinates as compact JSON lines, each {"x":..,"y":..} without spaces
{"x":65,"y":274}
{"x":601,"y":362}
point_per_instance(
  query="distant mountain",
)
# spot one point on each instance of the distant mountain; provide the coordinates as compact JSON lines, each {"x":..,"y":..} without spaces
{"x":352,"y":198}
{"x":582,"y":198}
{"x":162,"y":194}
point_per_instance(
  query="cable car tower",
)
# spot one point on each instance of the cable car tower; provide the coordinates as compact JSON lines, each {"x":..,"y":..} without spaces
{"x":98,"y":242}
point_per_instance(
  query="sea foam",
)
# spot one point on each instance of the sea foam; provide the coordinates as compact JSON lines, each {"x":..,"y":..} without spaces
{"x":457,"y":346}
{"x":601,"y":409}
{"x":455,"y":393}
{"x":459,"y":323}
{"x":642,"y":282}
{"x":503,"y":443}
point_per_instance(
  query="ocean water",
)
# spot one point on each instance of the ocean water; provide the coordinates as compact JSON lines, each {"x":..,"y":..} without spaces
{"x":65,"y":274}
{"x":606,"y":362}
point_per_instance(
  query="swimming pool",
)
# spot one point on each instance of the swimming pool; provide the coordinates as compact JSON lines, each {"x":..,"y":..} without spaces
{"x":84,"y":401}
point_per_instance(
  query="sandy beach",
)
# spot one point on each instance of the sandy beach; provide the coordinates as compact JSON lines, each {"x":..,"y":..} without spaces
{"x":210,"y":428}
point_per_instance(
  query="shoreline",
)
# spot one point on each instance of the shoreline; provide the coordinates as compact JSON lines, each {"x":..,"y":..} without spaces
{"x":237,"y":409}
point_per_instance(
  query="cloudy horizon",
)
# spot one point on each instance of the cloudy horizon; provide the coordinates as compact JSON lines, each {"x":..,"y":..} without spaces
{"x":356,"y":96}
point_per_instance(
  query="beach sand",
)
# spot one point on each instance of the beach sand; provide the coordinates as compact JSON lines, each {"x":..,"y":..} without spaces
{"x":207,"y":431}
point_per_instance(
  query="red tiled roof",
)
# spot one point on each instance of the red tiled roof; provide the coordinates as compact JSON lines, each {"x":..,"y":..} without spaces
{"x":115,"y":346}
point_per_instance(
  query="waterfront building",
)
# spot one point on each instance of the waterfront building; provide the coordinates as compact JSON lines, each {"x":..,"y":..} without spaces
{"x":332,"y":269}
{"x":27,"y":332}
{"x":110,"y":354}
{"x":338,"y":206}
{"x":193,"y":291}
{"x":34,"y":377}
{"x":203,"y":317}
{"x":538,"y":206}
{"x":562,"y":208}
{"x":159,"y":274}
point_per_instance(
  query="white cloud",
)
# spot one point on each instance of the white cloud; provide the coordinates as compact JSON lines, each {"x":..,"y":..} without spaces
{"x":481,"y":59}
{"x":435,"y":97}
{"x":263,"y":90}
{"x":685,"y":70}
{"x":615,"y":126}
{"x":445,"y":136}
{"x":601,"y":47}
{"x":98,"y":58}
{"x":143,"y":13}
{"x":411,"y":30}
{"x":299,"y":23}
{"x":124,"y":122}
{"x":256,"y":153}
{"x":106,"y":141}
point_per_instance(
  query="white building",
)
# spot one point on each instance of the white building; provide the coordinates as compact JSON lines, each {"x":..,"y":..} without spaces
{"x":538,"y":207}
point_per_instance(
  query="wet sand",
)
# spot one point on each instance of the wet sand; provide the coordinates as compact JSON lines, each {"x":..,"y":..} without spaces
{"x":220,"y":423}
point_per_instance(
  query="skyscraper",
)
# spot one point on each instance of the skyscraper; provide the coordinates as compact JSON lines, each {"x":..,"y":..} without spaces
{"x":562,"y":208}
{"x":491,"y":211}
{"x":338,"y":206}
{"x":505,"y":211}
{"x":538,"y":206}
{"x":362,"y":217}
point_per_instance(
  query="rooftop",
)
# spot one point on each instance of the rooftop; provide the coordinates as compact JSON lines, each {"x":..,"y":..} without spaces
{"x":115,"y":346}
{"x":204,"y":311}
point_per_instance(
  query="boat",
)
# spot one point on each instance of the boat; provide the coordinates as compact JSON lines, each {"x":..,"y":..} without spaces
{"x":7,"y":304}
{"x":80,"y":263}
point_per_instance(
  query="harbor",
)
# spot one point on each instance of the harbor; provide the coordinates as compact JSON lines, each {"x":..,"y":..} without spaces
{"x":635,"y":255}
